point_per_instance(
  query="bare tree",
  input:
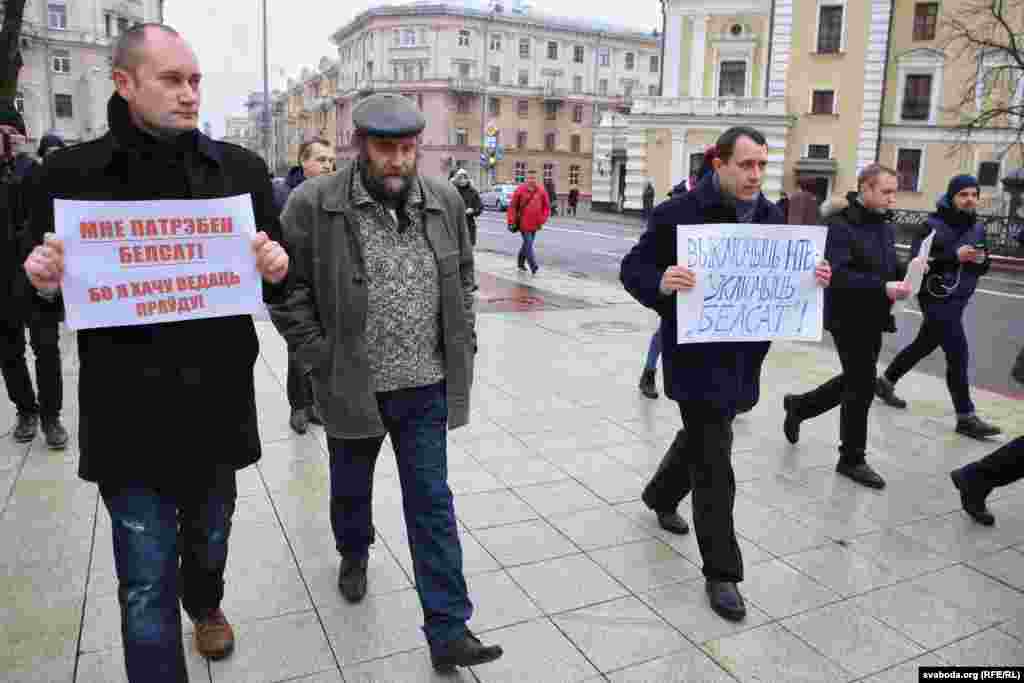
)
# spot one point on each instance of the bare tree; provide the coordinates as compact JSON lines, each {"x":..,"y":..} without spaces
{"x":10,"y":50}
{"x":990,"y":35}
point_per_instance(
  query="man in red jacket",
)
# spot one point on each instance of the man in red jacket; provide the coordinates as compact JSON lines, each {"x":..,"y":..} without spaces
{"x":528,"y":211}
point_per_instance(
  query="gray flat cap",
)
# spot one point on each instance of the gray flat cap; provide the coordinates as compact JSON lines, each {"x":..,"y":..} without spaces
{"x":386,"y":115}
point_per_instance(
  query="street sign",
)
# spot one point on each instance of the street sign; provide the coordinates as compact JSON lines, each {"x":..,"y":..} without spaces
{"x":491,"y":141}
{"x":492,"y":130}
{"x":499,"y":152}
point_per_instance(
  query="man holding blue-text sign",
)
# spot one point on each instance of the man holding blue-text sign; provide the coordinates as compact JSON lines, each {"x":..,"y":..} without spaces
{"x":710,"y":381}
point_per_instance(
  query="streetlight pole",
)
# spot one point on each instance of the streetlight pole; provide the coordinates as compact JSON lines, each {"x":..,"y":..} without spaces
{"x":266,"y":93}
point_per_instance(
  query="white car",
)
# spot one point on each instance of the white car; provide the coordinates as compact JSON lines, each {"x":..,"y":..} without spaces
{"x":498,"y":197}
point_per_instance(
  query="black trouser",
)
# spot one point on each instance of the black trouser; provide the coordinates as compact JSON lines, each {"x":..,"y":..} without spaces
{"x":300,"y":385}
{"x":999,"y":468}
{"x":700,"y":460}
{"x":471,"y":224}
{"x":853,"y":390}
{"x":45,"y":340}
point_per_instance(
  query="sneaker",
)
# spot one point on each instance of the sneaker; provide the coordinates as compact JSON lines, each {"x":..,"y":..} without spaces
{"x":299,"y":421}
{"x":56,"y":435}
{"x":886,"y":390}
{"x":976,"y":428}
{"x":647,"y":387}
{"x":28,"y":425}
{"x":214,"y":637}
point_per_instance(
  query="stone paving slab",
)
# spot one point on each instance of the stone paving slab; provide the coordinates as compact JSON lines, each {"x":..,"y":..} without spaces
{"x":567,"y":568}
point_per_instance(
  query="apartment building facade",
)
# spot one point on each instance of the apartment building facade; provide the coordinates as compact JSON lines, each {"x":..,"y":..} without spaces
{"x":834,"y":84}
{"x":507,"y":78}
{"x":66,"y":46}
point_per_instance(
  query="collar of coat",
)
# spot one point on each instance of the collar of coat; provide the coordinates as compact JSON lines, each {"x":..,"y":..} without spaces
{"x":129,"y":140}
{"x":858,"y":214}
{"x":339,"y":195}
{"x":709,"y":198}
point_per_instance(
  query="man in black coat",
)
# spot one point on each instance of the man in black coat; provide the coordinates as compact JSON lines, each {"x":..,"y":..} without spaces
{"x":710,"y":381}
{"x":471,"y":198}
{"x":167,"y":411}
{"x":867,"y":280}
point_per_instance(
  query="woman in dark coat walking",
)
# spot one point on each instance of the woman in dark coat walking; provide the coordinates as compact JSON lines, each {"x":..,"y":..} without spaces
{"x":471,"y":198}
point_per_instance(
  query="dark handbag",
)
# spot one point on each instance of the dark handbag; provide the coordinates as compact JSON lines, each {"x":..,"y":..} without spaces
{"x":1018,"y":368}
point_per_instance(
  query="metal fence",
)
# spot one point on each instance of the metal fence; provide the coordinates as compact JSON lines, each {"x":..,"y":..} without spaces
{"x":1004,"y":237}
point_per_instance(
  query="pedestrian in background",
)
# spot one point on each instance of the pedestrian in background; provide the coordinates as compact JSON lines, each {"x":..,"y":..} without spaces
{"x":802,"y":207}
{"x":573,"y":201}
{"x":471,"y":198}
{"x":528,"y":211}
{"x":867,"y":278}
{"x":316,"y":157}
{"x":549,"y":188}
{"x":958,"y":259}
{"x":648,"y":199}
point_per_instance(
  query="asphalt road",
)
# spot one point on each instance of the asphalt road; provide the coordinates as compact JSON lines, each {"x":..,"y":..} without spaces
{"x":994,"y":319}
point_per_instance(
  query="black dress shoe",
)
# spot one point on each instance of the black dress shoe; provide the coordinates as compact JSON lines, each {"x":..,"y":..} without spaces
{"x":26,"y":428}
{"x":886,"y":390}
{"x":976,"y":428}
{"x":647,"y":387}
{"x":973,"y":505}
{"x":726,"y":600}
{"x":673,"y":523}
{"x":55,"y":434}
{"x":791,"y":425}
{"x":464,"y":651}
{"x":862,"y":473}
{"x":314,"y":416}
{"x":299,"y":421}
{"x":352,"y":578}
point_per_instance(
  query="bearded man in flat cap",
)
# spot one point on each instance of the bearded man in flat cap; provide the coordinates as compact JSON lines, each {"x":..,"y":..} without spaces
{"x":381,"y":311}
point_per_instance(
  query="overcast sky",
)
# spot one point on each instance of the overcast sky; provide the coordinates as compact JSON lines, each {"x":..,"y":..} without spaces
{"x":226,"y":35}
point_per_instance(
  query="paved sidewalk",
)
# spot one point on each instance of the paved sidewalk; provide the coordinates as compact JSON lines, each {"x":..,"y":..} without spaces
{"x":568,"y":570}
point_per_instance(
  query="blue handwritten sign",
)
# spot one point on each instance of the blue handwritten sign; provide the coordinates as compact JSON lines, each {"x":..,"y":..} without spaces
{"x":754,"y":283}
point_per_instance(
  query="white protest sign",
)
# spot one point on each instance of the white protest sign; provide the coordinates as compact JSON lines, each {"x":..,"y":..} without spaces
{"x":915,"y":269}
{"x":754,"y":283}
{"x":136,"y":263}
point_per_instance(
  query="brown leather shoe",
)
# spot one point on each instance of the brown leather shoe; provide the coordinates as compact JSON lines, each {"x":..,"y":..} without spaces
{"x":214,"y":637}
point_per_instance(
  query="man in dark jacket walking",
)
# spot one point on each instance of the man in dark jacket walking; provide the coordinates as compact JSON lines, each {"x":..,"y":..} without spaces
{"x":21,"y":308}
{"x":648,"y":199}
{"x":471,"y":198}
{"x":381,"y":306}
{"x":867,"y":279}
{"x":958,"y":260}
{"x":170,"y":489}
{"x":710,"y":381}
{"x":315,"y":159}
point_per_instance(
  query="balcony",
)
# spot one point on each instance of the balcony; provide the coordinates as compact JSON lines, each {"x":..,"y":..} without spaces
{"x":709,"y":106}
{"x":465,"y":85}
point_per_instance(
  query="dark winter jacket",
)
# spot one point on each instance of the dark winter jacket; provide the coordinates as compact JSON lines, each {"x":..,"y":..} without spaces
{"x":17,"y":180}
{"x":161,"y":405}
{"x":723,"y":375}
{"x":283,"y":187}
{"x":861,"y":248}
{"x":648,"y":197}
{"x":953,"y":229}
{"x":471,"y":198}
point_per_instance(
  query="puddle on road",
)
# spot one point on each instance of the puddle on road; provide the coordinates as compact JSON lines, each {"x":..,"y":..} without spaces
{"x":501,"y":295}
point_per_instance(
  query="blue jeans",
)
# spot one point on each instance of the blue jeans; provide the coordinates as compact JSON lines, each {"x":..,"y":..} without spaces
{"x":167,"y":546}
{"x":526,"y":254}
{"x":653,"y":351}
{"x":416,"y":420}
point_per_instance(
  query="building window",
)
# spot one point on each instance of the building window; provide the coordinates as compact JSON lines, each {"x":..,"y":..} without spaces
{"x":407,"y":37}
{"x":62,"y":106}
{"x":926,"y":15}
{"x":496,"y":42}
{"x":654,"y":64}
{"x":604,"y":56}
{"x":577,"y":84}
{"x":461,"y":137}
{"x":57,"y":15}
{"x":495,"y":75}
{"x":652,"y":90}
{"x":369,"y":69}
{"x":61,"y":62}
{"x":575,"y":144}
{"x":630,"y":61}
{"x":462,"y":104}
{"x":551,"y":110}
{"x":696,"y":162}
{"x":410,"y":72}
{"x":627,"y":88}
{"x":520,"y":172}
{"x":917,"y":97}
{"x":830,"y":29}
{"x":732,"y":79}
{"x":549,"y":142}
{"x":524,"y":78}
{"x":602,"y":86}
{"x":549,"y":173}
{"x":19,"y":103}
{"x":577,"y":113}
{"x":552,"y":50}
{"x":823,"y":102}
{"x":819,"y":151}
{"x":574,"y":175}
{"x":524,"y":48}
{"x":108,"y":25}
{"x":577,"y":54}
{"x":464,"y":70}
{"x":908,"y":169}
{"x":494,"y":106}
{"x":521,"y":139}
{"x":988,"y":173}
{"x":523,"y":108}
{"x":463,"y":38}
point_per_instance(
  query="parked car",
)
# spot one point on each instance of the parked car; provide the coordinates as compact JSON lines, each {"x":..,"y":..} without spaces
{"x":498,"y":197}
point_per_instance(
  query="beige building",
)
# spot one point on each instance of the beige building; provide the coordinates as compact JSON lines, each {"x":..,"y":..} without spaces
{"x":834,"y":85}
{"x":237,"y":131}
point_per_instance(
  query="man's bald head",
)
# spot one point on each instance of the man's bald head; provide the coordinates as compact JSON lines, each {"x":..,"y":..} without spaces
{"x":129,"y":48}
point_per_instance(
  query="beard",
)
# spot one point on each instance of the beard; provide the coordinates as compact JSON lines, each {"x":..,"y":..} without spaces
{"x":386,"y":188}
